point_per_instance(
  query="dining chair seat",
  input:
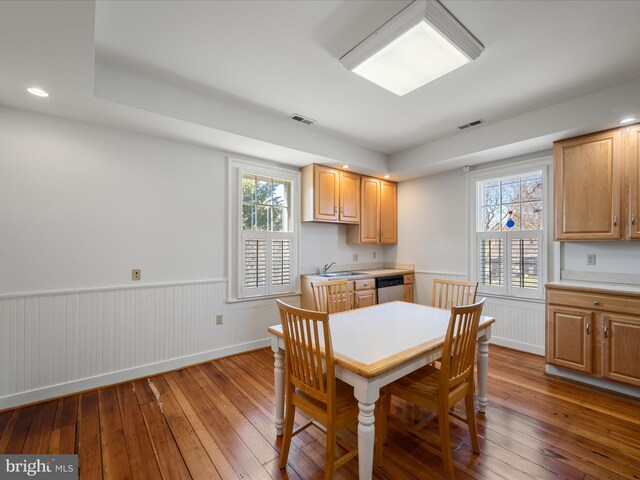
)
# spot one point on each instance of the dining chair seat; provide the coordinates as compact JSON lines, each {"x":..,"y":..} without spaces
{"x":345,"y":402}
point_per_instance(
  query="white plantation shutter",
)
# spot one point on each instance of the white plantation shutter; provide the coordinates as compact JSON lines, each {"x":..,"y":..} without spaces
{"x":525,"y":263}
{"x":492,"y":261}
{"x":280,"y":262}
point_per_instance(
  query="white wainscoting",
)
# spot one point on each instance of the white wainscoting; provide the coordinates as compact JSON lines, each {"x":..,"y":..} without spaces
{"x":519,"y":323}
{"x":54,"y":344}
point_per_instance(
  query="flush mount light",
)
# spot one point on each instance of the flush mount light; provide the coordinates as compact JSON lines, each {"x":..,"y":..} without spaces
{"x":387,"y":176}
{"x":628,"y":120}
{"x":421,"y":43}
{"x":38,"y":92}
{"x":345,"y":167}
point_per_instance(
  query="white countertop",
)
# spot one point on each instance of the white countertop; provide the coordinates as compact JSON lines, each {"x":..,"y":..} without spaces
{"x":381,"y":272}
{"x":600,"y":286}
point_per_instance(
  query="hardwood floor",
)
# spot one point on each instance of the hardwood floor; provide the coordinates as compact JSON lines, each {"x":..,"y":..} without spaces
{"x":215,"y":421}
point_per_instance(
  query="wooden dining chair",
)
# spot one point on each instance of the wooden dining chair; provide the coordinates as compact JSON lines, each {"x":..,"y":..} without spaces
{"x":332,"y":296}
{"x":438,"y":390}
{"x":311,"y":384}
{"x":453,"y":293}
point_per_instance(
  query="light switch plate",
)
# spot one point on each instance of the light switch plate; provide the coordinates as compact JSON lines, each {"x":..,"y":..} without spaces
{"x":218,"y":319}
{"x":355,"y":257}
{"x":591,"y":259}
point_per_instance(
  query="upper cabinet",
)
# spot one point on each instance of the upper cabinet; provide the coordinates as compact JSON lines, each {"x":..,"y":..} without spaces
{"x":330,"y":195}
{"x":369,"y":205}
{"x":633,"y":149}
{"x":379,"y":213}
{"x":588,"y":186}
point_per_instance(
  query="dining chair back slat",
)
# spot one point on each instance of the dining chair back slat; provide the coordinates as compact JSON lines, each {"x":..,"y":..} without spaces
{"x":452,"y":293}
{"x":332,"y":296}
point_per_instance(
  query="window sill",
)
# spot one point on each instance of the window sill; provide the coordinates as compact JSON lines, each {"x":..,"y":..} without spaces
{"x":511,"y":297}
{"x":265,"y":297}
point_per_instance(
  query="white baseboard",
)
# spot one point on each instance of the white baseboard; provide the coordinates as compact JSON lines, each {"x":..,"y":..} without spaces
{"x":597,"y":382}
{"x":111,"y":378}
{"x":523,"y":347}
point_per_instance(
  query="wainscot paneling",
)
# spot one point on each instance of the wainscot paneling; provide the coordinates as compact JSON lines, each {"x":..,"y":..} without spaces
{"x":54,"y":344}
{"x":519,"y":323}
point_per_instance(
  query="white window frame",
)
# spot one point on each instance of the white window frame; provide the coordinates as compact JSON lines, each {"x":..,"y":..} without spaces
{"x":236,"y":168}
{"x":474,"y":180}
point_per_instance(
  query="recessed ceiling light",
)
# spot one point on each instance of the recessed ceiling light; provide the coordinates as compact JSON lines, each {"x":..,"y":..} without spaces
{"x":421,"y":43}
{"x":628,"y":119}
{"x":387,"y":176}
{"x":38,"y":92}
{"x":345,"y":166}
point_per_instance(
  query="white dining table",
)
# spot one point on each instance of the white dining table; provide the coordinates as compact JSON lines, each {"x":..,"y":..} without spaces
{"x":374,"y":346}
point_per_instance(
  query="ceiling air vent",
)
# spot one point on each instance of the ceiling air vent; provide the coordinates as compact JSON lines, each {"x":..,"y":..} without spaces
{"x":299,"y":118}
{"x":471,"y":124}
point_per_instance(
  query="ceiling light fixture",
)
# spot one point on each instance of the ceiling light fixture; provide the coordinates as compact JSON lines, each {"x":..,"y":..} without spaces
{"x":628,"y":120}
{"x":345,"y":167}
{"x":387,"y":176}
{"x":38,"y":92}
{"x":421,"y":43}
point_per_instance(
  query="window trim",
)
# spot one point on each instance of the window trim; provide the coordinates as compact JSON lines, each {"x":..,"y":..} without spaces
{"x":544,"y":164}
{"x":236,"y":167}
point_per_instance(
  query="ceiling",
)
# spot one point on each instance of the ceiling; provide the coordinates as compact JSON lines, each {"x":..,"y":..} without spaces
{"x":227,"y":74}
{"x":281,"y":57}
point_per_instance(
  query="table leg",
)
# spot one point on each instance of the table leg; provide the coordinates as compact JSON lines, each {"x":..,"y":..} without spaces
{"x":483,"y":368}
{"x":278,"y":374}
{"x":366,"y":439}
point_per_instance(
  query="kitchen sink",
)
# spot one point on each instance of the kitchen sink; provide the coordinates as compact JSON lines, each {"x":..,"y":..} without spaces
{"x":338,"y":274}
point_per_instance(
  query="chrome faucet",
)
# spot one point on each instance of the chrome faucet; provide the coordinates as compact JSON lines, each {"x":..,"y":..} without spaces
{"x":327,"y":266}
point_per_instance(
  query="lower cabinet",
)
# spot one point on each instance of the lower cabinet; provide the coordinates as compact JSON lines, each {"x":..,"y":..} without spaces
{"x":621,"y":348}
{"x":364,"y":293}
{"x":569,"y":339}
{"x":602,"y":340}
{"x":407,"y":292}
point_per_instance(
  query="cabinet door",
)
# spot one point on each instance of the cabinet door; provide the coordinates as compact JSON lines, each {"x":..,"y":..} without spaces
{"x":587,"y":176}
{"x":370,"y":214}
{"x":326,"y":184}
{"x":365,"y":298}
{"x":569,"y":338}
{"x":349,"y":197}
{"x":407,"y":293}
{"x":621,"y":348}
{"x":388,"y":212}
{"x":633,"y":150}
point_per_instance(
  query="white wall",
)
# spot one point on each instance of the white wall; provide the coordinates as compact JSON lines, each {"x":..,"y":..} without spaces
{"x":611,"y":257}
{"x":432,"y":219}
{"x":325,"y":243}
{"x":80,"y":206}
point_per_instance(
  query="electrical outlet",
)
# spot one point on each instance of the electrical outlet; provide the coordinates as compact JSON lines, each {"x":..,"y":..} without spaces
{"x":591,"y":259}
{"x":374,"y":254}
{"x":136,"y":274}
{"x":218,"y":319}
{"x":355,"y":257}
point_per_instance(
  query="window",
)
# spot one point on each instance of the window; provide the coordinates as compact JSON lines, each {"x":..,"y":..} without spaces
{"x":508,"y":238}
{"x":262,"y":205}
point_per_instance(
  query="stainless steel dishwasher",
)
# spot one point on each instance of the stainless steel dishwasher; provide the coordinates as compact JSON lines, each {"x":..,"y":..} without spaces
{"x":390,"y":288}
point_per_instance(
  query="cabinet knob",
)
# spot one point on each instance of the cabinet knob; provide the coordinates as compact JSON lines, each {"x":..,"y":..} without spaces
{"x":633,"y":219}
{"x":615,"y":220}
{"x":596,"y":302}
{"x":588,"y":329}
{"x":341,"y":209}
{"x":335,"y":209}
{"x":606,"y":332}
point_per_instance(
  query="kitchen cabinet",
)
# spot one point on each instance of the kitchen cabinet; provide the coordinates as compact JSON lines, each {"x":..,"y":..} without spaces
{"x":621,"y":348}
{"x":330,"y":195}
{"x":569,"y":339}
{"x":587,"y":187}
{"x":632,"y":138}
{"x":595,"y":332}
{"x":365,"y":293}
{"x":378,"y":213}
{"x":407,"y":291}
